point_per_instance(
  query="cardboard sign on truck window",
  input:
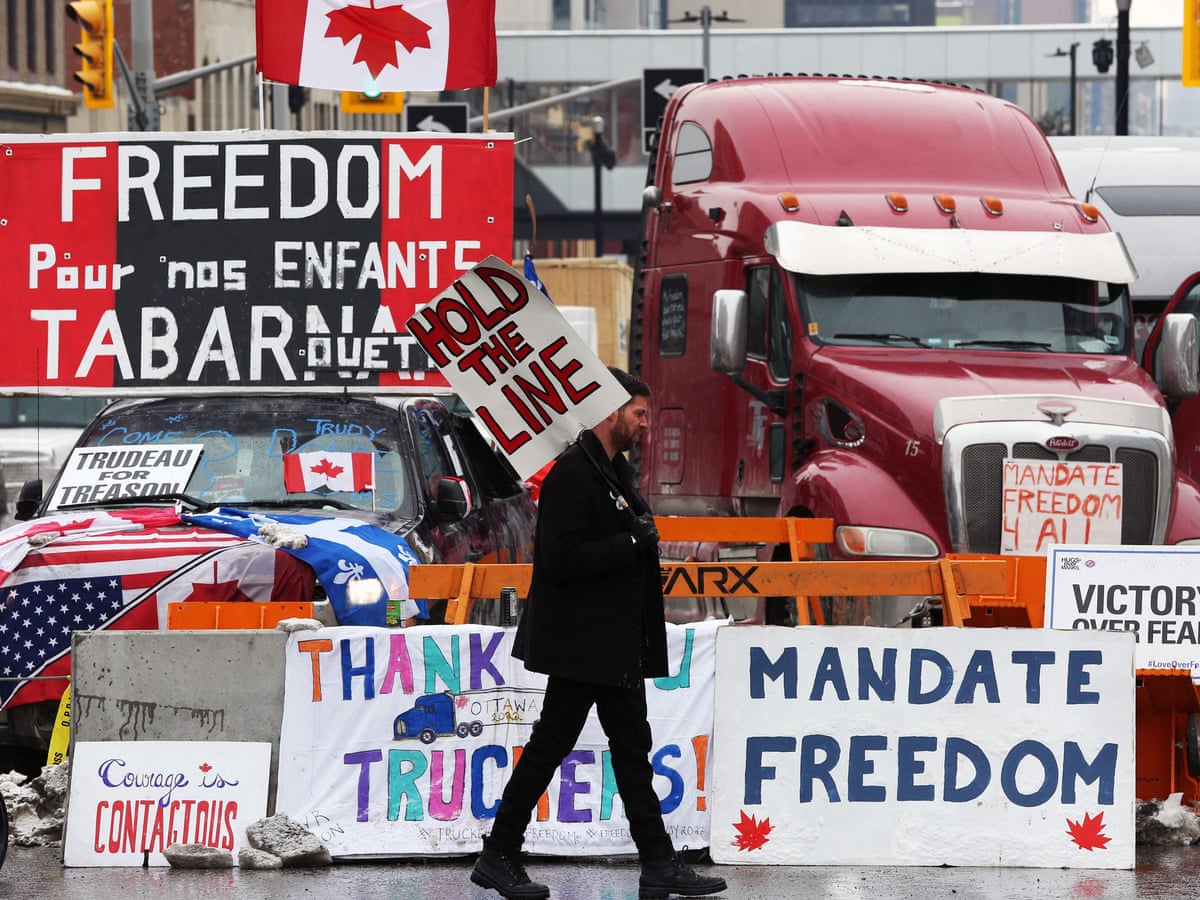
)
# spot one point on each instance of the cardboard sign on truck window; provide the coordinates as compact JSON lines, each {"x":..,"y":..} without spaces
{"x":516,"y":361}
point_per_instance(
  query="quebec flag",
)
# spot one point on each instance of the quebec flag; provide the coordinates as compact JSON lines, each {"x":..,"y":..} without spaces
{"x":360,"y":566}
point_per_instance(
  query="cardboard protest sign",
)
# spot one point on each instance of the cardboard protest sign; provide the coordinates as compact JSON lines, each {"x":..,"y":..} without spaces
{"x":1059,"y":502}
{"x":1150,"y":592}
{"x":399,"y":743}
{"x":517,"y":362}
{"x":130,"y":800}
{"x":237,"y":259}
{"x":97,"y":474}
{"x":993,"y":747}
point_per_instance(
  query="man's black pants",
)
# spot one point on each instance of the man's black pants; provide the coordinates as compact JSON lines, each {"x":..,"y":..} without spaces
{"x":622,"y":714}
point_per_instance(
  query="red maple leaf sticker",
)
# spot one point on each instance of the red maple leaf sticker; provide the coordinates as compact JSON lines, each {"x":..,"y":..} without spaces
{"x":752,"y":834}
{"x":1089,"y":834}
{"x":328,"y":469}
{"x":380,"y":31}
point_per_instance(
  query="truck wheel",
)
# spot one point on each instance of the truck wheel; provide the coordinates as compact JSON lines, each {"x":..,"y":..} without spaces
{"x":1192,"y":744}
{"x":428,"y":735}
{"x":462,"y":729}
{"x":476,"y":729}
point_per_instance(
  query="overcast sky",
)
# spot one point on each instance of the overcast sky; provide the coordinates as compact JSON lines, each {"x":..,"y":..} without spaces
{"x":1143,"y":13}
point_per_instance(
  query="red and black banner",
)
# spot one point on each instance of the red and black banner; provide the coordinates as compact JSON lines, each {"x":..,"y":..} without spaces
{"x":213,"y":260}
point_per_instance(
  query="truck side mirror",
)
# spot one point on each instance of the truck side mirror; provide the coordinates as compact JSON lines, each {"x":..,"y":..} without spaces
{"x":453,"y":498}
{"x":29,"y":500}
{"x":727,"y":348}
{"x":1179,"y":356}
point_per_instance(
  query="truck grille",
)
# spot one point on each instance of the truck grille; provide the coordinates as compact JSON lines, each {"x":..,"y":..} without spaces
{"x":983,"y":474}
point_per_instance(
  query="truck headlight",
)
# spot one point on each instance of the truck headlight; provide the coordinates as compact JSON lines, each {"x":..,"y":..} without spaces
{"x":865,"y":540}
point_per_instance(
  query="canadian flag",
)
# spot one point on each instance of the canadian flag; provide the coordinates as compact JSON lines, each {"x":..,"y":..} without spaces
{"x":378,"y":45}
{"x":325,"y":473}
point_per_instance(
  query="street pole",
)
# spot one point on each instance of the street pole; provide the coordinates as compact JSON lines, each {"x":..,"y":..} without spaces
{"x":1123,"y":66}
{"x":143,"y":116}
{"x":597,"y":166}
{"x":1074,"y":47}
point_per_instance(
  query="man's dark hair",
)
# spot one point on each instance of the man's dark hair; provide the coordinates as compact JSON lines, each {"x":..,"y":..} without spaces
{"x":635,"y":386}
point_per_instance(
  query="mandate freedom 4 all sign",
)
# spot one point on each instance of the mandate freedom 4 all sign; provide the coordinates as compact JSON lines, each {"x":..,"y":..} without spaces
{"x":243,"y":259}
{"x":992,"y":747}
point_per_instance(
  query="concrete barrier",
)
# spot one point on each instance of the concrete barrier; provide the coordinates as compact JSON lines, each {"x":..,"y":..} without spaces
{"x":179,"y":686}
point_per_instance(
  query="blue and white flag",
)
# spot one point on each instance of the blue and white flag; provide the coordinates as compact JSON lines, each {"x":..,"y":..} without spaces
{"x":531,"y":276}
{"x":360,"y":566}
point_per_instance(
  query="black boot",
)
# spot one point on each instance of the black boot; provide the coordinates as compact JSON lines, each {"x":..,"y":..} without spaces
{"x":501,"y":870}
{"x":670,"y":875}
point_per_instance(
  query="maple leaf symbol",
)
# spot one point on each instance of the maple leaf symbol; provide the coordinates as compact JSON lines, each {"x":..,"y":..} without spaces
{"x":460,"y":701}
{"x":328,"y":469}
{"x":1088,"y":834}
{"x":204,"y":767}
{"x":752,"y":834}
{"x":380,"y":30}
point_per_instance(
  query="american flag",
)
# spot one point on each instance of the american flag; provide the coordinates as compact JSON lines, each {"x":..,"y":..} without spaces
{"x":87,"y":582}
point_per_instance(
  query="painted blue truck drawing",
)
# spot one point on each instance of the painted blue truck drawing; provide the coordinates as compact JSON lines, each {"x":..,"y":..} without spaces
{"x":432,"y":716}
{"x":444,"y":714}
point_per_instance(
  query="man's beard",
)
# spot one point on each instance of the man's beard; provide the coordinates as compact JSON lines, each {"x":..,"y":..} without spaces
{"x":624,"y":438}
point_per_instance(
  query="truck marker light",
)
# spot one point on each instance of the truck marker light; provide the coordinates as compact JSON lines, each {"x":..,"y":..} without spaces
{"x":1089,"y":212}
{"x":789,"y":201}
{"x":897,"y":201}
{"x":945,"y":203}
{"x":994,"y":205}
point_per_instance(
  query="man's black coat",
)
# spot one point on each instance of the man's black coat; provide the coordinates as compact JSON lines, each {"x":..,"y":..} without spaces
{"x":595,"y":608}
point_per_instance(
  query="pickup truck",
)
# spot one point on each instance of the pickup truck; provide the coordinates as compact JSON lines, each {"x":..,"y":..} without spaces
{"x":431,"y":478}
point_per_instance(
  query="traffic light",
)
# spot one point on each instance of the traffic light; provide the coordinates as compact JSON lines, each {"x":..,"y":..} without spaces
{"x":372,"y":102}
{"x":95,"y":19}
{"x":1102,"y":55}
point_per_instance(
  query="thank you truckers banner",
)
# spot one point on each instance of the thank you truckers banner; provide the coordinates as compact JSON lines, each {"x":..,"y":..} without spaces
{"x":246,"y":259}
{"x":400,"y":742}
{"x":932,"y":746}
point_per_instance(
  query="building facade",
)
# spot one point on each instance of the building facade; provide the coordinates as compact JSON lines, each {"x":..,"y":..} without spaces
{"x":564,"y":64}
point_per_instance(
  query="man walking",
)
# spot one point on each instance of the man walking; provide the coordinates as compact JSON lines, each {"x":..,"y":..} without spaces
{"x":594,"y":624}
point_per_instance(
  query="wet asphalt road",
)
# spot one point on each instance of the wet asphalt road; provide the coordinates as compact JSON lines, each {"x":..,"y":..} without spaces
{"x":1170,"y":873}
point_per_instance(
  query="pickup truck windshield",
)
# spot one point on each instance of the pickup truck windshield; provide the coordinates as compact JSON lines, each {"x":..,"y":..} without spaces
{"x":245,"y":442}
{"x":968,"y":312}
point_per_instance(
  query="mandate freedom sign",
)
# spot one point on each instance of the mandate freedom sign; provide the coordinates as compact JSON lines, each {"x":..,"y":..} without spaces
{"x":1048,"y":503}
{"x":992,"y":747}
{"x":517,"y":362}
{"x":237,"y":258}
{"x":400,"y":742}
{"x":130,"y":800}
{"x":1152,"y":593}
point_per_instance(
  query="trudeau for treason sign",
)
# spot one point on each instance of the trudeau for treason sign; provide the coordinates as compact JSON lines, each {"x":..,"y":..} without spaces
{"x":237,"y":259}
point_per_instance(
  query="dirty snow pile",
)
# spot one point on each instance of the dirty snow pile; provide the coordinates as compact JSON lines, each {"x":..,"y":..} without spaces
{"x":1167,"y":822}
{"x":36,"y":806}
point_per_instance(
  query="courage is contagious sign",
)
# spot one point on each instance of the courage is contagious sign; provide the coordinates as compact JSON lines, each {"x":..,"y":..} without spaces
{"x":517,"y":362}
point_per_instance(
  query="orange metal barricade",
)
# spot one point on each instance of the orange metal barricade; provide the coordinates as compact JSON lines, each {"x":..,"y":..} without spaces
{"x":198,"y":615}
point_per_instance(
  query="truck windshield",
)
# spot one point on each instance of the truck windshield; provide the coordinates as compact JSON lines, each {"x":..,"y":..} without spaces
{"x":245,"y":442}
{"x":967,"y":311}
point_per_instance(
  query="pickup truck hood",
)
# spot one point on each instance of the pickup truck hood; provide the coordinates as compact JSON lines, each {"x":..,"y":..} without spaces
{"x":901,"y":388}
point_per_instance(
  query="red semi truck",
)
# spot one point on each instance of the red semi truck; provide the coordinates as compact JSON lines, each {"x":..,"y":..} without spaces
{"x":876,"y":301}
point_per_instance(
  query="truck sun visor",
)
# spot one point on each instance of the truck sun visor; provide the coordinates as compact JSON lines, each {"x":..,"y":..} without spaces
{"x":824,"y":250}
